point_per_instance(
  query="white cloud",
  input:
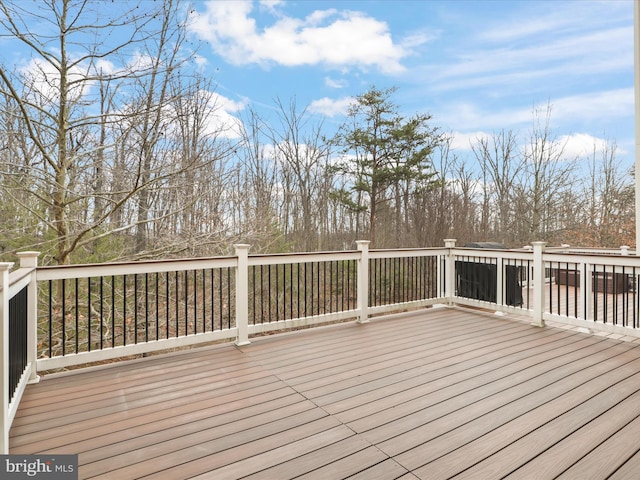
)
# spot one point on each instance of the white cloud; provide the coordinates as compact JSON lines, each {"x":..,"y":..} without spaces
{"x":580,"y":56}
{"x":574,"y":146}
{"x":596,"y":105}
{"x":464,"y":140}
{"x":328,"y":37}
{"x":271,"y":4}
{"x":43,"y":79}
{"x":329,"y":107}
{"x":222,"y":122}
{"x":226,"y":104}
{"x":218,"y":117}
{"x":333,"y":83}
{"x":562,"y":18}
{"x":417,"y":39}
{"x":199,"y":60}
{"x":104,"y":67}
{"x":583,"y":145}
{"x":602,"y":106}
{"x":471,"y":117}
{"x":528,"y":49}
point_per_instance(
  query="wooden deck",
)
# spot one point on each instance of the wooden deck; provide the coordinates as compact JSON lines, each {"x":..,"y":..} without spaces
{"x":434,"y":394}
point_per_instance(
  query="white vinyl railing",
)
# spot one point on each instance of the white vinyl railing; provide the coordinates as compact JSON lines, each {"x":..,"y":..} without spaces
{"x":18,"y":331}
{"x":89,"y":313}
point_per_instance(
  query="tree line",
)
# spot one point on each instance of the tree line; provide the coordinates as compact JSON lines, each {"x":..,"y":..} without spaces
{"x":115,"y":146}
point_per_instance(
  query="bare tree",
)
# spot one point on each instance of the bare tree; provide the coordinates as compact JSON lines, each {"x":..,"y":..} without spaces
{"x":547,"y":175}
{"x":302,"y":155}
{"x":257,"y":192}
{"x":95,"y":104}
{"x":606,"y":212}
{"x":502,"y":169}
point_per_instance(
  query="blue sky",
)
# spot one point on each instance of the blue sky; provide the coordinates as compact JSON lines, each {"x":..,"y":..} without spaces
{"x":476,"y":66}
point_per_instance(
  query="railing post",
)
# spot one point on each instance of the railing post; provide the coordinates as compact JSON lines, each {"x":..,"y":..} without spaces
{"x":30,"y":260}
{"x":586,"y":282}
{"x":242,"y":294}
{"x":500,"y":267}
{"x":538,"y":283}
{"x":4,"y":357}
{"x":450,"y":271}
{"x":363,"y":281}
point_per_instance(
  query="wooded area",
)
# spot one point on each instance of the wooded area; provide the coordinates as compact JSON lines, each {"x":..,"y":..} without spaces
{"x":115,"y":146}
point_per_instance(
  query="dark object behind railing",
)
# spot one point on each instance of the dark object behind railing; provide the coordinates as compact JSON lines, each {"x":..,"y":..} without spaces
{"x":477,"y":278}
{"x":17,"y":339}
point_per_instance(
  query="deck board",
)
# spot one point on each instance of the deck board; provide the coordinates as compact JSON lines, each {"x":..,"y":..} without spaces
{"x":428,"y":394}
{"x":468,"y":443}
{"x":572,"y":448}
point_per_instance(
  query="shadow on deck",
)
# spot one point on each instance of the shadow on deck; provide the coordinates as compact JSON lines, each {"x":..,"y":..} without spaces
{"x":430,"y":394}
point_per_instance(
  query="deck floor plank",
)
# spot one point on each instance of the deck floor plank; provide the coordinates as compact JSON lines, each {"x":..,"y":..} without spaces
{"x":385,"y":406}
{"x":629,"y":470}
{"x":473,"y":442}
{"x":141,"y":447}
{"x":562,"y":455}
{"x":510,"y":445}
{"x":432,"y":414}
{"x":394,"y":370}
{"x":609,"y":456}
{"x":253,"y":457}
{"x":191,"y":448}
{"x":425,"y":354}
{"x":400,"y":397}
{"x":112,"y":385}
{"x":83,"y":425}
{"x":326,"y":462}
{"x":387,"y":470}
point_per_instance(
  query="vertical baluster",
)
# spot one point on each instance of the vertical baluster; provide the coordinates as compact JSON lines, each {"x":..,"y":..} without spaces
{"x":298,"y":310}
{"x":148,"y":303}
{"x":306,"y":289}
{"x":195,"y":301}
{"x":276,"y":293}
{"x":167,"y":303}
{"x":291,"y":291}
{"x":101,"y":312}
{"x":253,"y":294}
{"x":77,"y":315}
{"x":135,"y":308}
{"x":229,"y":298}
{"x":186,"y":303}
{"x":157,"y":304}
{"x":177,"y":304}
{"x":269,"y":293}
{"x":341,"y":283}
{"x":318,"y":289}
{"x":220,"y":299}
{"x":213,"y":301}
{"x":333,"y":292}
{"x":261,"y":293}
{"x":113,"y":311}
{"x":124,"y":309}
{"x":64,"y":315}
